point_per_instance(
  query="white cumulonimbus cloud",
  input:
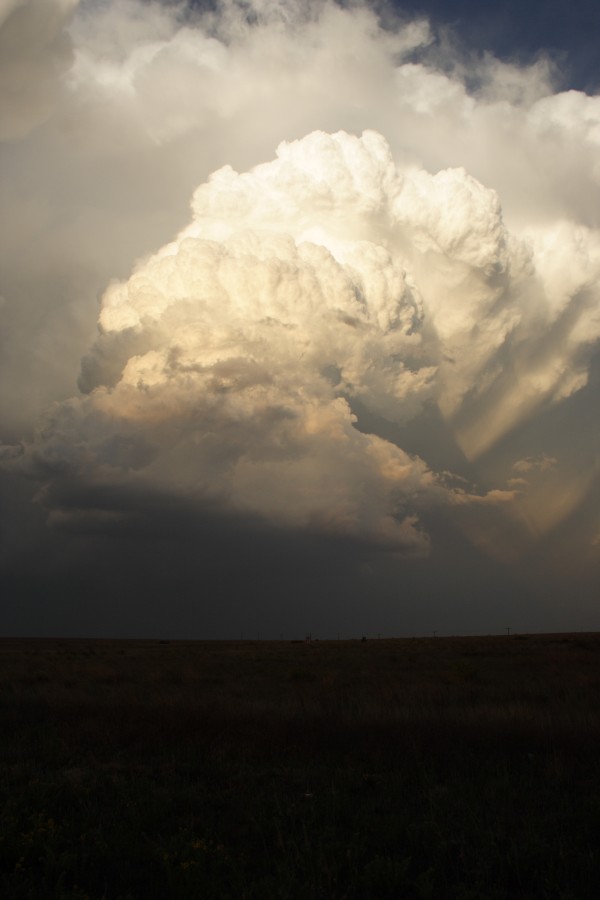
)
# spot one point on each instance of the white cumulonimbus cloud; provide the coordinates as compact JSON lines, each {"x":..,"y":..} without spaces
{"x":326,"y":276}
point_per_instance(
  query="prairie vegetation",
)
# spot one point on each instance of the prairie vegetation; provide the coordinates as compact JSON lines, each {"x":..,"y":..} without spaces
{"x":410,"y":768}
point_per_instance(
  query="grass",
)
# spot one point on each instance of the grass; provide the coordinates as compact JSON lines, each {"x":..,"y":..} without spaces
{"x":416,"y":768}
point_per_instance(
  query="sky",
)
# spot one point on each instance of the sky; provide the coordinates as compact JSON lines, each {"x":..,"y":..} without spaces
{"x":299,"y":318}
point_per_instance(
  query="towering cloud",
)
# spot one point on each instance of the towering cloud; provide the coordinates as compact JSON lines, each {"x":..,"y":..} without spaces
{"x":228,"y":363}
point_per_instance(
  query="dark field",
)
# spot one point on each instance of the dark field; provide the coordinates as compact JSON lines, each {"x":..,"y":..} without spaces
{"x":410,"y":768}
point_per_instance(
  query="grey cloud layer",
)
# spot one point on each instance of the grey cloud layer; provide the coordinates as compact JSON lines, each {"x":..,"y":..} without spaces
{"x":35,"y":52}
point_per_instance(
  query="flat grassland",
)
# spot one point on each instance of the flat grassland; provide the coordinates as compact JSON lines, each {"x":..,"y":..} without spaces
{"x":407,"y":768}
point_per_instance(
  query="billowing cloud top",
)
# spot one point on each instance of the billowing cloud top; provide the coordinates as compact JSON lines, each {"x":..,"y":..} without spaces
{"x":228,"y":363}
